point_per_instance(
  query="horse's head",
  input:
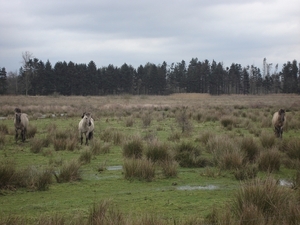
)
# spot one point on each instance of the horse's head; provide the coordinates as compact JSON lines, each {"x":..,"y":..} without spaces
{"x":87,"y":117}
{"x":281,"y":113}
{"x":18,"y":117}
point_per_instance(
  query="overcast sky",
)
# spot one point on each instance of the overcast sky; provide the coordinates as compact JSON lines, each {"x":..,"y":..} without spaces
{"x":140,"y":31}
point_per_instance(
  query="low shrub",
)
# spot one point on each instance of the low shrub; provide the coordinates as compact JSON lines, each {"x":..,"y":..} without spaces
{"x":269,"y":160}
{"x":129,"y":122}
{"x":85,"y":156}
{"x":141,"y":169}
{"x":69,"y":171}
{"x":7,"y":170}
{"x":105,"y":213}
{"x":246,"y":172}
{"x":265,"y":202}
{"x":292,"y":148}
{"x":3,"y":129}
{"x":146,"y":119}
{"x":250,"y":148}
{"x":133,"y":148}
{"x":31,"y":131}
{"x":189,"y":155}
{"x":267,"y":140}
{"x":157,"y":151}
{"x":170,"y":168}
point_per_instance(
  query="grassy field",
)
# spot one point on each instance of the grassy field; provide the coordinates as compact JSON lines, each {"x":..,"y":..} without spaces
{"x":211,"y":145}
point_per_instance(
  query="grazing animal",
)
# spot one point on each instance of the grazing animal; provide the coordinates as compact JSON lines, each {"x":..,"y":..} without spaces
{"x":278,"y":122}
{"x":86,"y":126}
{"x":21,"y":122}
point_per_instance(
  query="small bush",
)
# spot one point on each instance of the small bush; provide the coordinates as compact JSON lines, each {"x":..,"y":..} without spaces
{"x":246,"y":172}
{"x":146,"y":119}
{"x":129,"y":122}
{"x":133,"y":148}
{"x":174,"y":136}
{"x":69,"y":171}
{"x":189,"y":155}
{"x":157,"y":151}
{"x":36,"y":145}
{"x":292,"y":148}
{"x":250,"y":148}
{"x":105,"y":213}
{"x":60,"y":144}
{"x":85,"y":156}
{"x":264,"y":202}
{"x":204,"y":137}
{"x":170,"y":168}
{"x":2,"y":139}
{"x":3,"y":128}
{"x":227,"y":122}
{"x":267,"y":139}
{"x":7,"y":170}
{"x":141,"y":169}
{"x":183,"y":121}
{"x":31,"y":131}
{"x":269,"y":160}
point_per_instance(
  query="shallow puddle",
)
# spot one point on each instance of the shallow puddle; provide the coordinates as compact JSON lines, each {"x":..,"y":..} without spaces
{"x":114,"y":167}
{"x":191,"y":188}
{"x":285,"y":183}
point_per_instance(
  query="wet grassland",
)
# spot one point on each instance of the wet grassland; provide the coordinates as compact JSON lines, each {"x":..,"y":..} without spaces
{"x":179,"y":159}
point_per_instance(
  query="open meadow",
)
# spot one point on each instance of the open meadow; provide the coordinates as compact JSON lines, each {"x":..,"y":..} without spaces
{"x":177,"y":159}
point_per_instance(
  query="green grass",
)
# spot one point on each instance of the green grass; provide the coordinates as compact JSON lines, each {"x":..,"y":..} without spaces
{"x":134,"y":197}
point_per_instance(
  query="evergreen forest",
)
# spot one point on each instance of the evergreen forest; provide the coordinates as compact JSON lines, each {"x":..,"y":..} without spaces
{"x":36,"y":77}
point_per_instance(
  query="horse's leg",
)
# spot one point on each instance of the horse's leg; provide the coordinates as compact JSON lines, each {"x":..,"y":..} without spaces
{"x":86,"y":138}
{"x":81,"y":138}
{"x":22,"y":135}
{"x":16,"y":135}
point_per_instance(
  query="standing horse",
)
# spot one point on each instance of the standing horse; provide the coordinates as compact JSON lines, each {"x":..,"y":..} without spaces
{"x":86,"y":126}
{"x":278,"y":122}
{"x":21,"y":122}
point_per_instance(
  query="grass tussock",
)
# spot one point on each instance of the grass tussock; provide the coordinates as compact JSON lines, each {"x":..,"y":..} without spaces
{"x":69,"y":171}
{"x":250,"y":149}
{"x":31,"y":131}
{"x":133,"y":148}
{"x":141,"y":169}
{"x":189,"y":155}
{"x":85,"y":156}
{"x":105,"y":213}
{"x":267,"y":139}
{"x":265,"y":202}
{"x":270,"y":160}
{"x":157,"y":151}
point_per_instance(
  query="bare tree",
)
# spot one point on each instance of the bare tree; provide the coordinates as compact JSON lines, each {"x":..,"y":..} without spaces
{"x":26,"y":61}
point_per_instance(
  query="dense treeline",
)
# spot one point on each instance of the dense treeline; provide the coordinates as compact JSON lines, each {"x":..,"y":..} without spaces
{"x":39,"y":78}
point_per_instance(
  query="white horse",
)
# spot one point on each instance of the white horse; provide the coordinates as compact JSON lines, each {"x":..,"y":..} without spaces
{"x":86,"y":126}
{"x":21,"y":122}
{"x":278,"y":122}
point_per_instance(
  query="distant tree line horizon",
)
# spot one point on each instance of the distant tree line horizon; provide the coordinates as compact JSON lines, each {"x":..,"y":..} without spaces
{"x":38,"y":78}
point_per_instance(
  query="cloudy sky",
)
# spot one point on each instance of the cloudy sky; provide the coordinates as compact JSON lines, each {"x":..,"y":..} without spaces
{"x":140,"y":31}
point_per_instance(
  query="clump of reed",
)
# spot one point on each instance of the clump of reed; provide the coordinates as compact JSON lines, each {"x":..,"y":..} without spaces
{"x":183,"y":121}
{"x":264,"y":201}
{"x":133,"y":148}
{"x":85,"y":156}
{"x":31,"y":131}
{"x":105,"y":213}
{"x":38,"y":144}
{"x":270,"y":160}
{"x":142,"y":169}
{"x":250,"y":149}
{"x":189,"y":155}
{"x":226,"y":152}
{"x":69,"y":171}
{"x":267,"y":139}
{"x":30,"y":177}
{"x":97,"y":147}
